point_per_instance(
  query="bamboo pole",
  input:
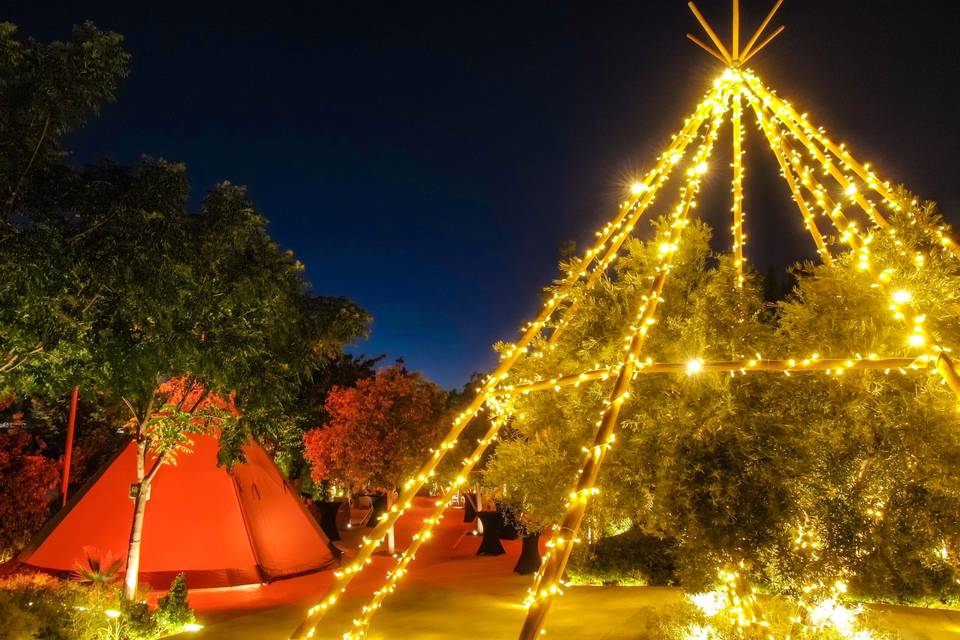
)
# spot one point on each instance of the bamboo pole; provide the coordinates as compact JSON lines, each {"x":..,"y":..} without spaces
{"x":852,"y":236}
{"x":700,"y":43}
{"x":763,"y":25}
{"x":784,"y":116}
{"x":764,"y":44}
{"x":948,"y":372}
{"x":832,"y":210}
{"x":554,"y":564}
{"x":713,"y":36}
{"x":738,"y":239}
{"x":776,"y":145}
{"x":869,"y":178}
{"x":345,"y":576}
{"x":362,"y":621}
{"x":68,"y":453}
{"x":735,"y":41}
{"x":806,"y":365}
{"x":677,"y":147}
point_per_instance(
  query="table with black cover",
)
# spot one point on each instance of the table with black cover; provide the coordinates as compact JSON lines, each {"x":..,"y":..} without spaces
{"x":328,"y":518}
{"x":492,"y":522}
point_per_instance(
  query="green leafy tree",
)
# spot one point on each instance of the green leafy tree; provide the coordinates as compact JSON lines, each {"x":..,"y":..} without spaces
{"x":49,"y":90}
{"x":795,"y":478}
{"x":109,"y":281}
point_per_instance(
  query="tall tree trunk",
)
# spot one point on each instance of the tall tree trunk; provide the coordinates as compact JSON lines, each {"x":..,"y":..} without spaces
{"x":133,"y":549}
{"x":136,"y":529}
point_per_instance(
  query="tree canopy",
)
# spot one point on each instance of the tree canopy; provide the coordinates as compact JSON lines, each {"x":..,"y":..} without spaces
{"x":379,"y":430}
{"x":111,"y":281}
{"x":759,"y":469}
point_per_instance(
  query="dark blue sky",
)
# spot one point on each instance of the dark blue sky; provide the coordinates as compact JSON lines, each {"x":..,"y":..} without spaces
{"x":428,"y":158}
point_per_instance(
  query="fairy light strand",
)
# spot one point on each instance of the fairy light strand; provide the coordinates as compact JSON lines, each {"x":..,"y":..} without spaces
{"x":509,"y":357}
{"x":548,"y":579}
{"x":738,"y":236}
{"x":780,"y":126}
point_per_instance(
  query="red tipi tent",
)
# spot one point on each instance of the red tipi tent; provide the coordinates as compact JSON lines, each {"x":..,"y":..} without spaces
{"x":220,"y":528}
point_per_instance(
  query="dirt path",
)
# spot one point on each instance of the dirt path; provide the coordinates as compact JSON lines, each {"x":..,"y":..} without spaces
{"x":452,"y":593}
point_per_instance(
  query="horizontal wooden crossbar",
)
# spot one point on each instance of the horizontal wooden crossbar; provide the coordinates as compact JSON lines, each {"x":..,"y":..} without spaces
{"x":833,"y":365}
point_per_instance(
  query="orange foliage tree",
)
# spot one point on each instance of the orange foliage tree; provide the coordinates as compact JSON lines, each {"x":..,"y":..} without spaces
{"x":28,"y":481}
{"x":378,"y":430}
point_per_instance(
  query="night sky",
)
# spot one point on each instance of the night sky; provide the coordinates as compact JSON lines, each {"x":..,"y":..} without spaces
{"x":429,"y":159}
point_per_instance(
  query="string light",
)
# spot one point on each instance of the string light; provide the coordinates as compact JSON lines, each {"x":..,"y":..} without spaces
{"x":547,"y":581}
{"x":616,"y":233}
{"x":780,"y":124}
{"x":738,"y":236}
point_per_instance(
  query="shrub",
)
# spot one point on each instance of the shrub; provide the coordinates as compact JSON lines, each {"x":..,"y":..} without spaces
{"x":40,"y":606}
{"x":630,"y":558}
{"x":60,"y":610}
{"x":173,"y":610}
{"x":17,"y":624}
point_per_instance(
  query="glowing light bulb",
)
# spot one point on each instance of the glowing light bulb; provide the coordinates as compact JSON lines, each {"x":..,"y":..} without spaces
{"x":902,"y":296}
{"x":694,"y":367}
{"x":702,"y":168}
{"x":637,"y":188}
{"x":916,"y":340}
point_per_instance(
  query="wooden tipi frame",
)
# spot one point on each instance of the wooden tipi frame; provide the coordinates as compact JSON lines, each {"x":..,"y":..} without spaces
{"x":800,"y":148}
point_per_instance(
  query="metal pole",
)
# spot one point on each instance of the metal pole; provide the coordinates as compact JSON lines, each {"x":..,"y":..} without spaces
{"x":67,"y":457}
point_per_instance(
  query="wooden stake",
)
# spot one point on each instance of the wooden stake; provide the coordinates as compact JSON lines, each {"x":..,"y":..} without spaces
{"x":763,"y":44}
{"x":763,"y":25}
{"x":736,"y":30}
{"x":706,"y":48}
{"x":724,"y":366}
{"x":706,"y":27}
{"x":410,"y":489}
{"x":555,"y":564}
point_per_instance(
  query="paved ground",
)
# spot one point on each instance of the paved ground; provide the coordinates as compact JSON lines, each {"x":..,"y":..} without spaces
{"x":452,"y":593}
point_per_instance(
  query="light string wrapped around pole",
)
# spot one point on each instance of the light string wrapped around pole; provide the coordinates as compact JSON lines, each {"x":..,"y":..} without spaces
{"x":846,"y":183}
{"x":902,"y":304}
{"x":808,"y":218}
{"x":616,"y":231}
{"x":345,"y":575}
{"x":649,"y":188}
{"x":738,"y":237}
{"x":362,"y":622}
{"x":810,"y":364}
{"x":867,"y":175}
{"x":612,"y":370}
{"x":850,"y":233}
{"x":548,"y":579}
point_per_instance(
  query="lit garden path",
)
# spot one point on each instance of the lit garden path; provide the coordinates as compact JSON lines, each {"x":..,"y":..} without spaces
{"x":451,"y":593}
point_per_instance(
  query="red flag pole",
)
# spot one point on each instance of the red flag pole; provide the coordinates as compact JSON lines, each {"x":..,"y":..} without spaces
{"x":68,"y":455}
